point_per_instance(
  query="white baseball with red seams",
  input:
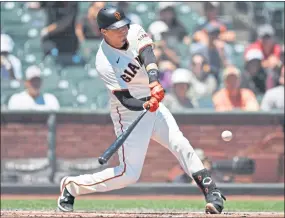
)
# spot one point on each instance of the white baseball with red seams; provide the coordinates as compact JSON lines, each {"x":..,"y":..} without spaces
{"x":121,"y":69}
{"x":227,"y":135}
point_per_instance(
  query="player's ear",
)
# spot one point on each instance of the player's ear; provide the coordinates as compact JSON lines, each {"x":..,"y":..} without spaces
{"x":103,"y":31}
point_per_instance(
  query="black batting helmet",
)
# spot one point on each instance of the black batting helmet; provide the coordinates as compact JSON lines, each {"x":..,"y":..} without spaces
{"x":111,"y":18}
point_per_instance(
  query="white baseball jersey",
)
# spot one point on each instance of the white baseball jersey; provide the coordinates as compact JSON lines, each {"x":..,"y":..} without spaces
{"x":122,"y":69}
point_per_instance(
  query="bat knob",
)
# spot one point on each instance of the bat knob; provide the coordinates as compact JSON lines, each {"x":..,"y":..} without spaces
{"x":102,"y":160}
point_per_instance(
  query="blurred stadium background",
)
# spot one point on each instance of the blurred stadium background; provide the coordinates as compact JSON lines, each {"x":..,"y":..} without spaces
{"x":39,"y":146}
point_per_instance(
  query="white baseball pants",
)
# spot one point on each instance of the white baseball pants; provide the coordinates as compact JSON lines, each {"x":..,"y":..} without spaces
{"x":161,"y":127}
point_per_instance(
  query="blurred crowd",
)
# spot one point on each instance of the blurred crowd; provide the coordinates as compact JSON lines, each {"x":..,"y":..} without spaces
{"x":196,"y":55}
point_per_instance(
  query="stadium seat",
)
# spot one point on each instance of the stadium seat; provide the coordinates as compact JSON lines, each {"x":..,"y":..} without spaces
{"x":33,"y":45}
{"x":17,"y":30}
{"x":102,"y":100}
{"x":206,"y":102}
{"x":74,"y":74}
{"x":83,"y":7}
{"x":182,"y":49}
{"x":49,"y":61}
{"x":9,"y":19}
{"x":32,"y":58}
{"x":90,"y":93}
{"x":259,"y":98}
{"x":91,"y":87}
{"x":89,"y":48}
{"x":50,"y":79}
{"x":8,"y":88}
{"x":66,"y":97}
{"x":10,"y":6}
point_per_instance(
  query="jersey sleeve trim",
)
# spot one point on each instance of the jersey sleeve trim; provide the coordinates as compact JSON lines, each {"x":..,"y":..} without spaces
{"x":119,"y":90}
{"x":142,"y":48}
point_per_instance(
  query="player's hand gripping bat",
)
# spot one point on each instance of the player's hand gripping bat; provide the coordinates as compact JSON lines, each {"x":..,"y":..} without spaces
{"x":120,"y":140}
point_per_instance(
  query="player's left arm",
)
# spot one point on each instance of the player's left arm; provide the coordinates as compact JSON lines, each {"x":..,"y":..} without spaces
{"x":144,"y":46}
{"x":148,"y":59}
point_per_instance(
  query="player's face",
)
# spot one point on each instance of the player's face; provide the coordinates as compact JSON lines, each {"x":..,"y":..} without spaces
{"x":116,"y":37}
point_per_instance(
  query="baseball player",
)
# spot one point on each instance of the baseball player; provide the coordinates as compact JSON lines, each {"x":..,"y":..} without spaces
{"x":126,"y":63}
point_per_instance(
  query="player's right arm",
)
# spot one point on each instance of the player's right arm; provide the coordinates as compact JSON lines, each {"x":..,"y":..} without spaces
{"x":119,"y":88}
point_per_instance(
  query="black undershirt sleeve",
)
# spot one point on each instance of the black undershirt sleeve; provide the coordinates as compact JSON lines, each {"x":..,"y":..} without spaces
{"x":129,"y":101}
{"x":147,"y":57}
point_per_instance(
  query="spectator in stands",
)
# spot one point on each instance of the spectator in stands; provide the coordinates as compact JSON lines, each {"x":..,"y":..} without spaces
{"x":270,"y":49}
{"x":204,"y":83}
{"x":274,"y":98}
{"x":217,"y":52}
{"x":177,"y":99}
{"x":176,"y":31}
{"x":60,"y":30}
{"x":87,"y":27}
{"x":254,"y":77}
{"x":124,"y":6}
{"x":166,"y":69}
{"x":157,"y":29}
{"x":32,"y":98}
{"x":166,"y":56}
{"x":233,"y":97}
{"x":11,"y":67}
{"x":211,"y":10}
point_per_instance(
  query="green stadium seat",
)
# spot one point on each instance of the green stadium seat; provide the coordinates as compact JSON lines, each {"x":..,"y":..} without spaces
{"x":33,"y":45}
{"x":8,"y":88}
{"x":259,"y":98}
{"x":10,"y":6}
{"x":91,"y":87}
{"x":49,"y":61}
{"x":206,"y":102}
{"x":33,"y":58}
{"x":10,"y":19}
{"x":146,"y":11}
{"x":74,"y":74}
{"x":90,"y":93}
{"x":50,"y":79}
{"x":102,"y":100}
{"x":273,"y":5}
{"x":89,"y":48}
{"x":17,"y":31}
{"x":83,"y":7}
{"x":182,"y":49}
{"x":189,"y":21}
{"x":66,"y":97}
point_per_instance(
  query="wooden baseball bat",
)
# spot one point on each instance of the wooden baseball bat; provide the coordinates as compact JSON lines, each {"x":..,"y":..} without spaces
{"x":120,"y":140}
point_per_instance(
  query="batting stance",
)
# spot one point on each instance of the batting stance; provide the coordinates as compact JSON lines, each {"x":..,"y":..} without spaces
{"x":127,"y":65}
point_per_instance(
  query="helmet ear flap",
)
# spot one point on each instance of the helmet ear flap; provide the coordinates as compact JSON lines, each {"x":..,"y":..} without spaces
{"x":128,"y":26}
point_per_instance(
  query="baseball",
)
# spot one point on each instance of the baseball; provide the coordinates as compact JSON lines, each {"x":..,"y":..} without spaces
{"x":227,"y":135}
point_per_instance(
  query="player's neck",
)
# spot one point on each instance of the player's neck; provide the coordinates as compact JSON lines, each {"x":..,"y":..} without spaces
{"x":124,"y":47}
